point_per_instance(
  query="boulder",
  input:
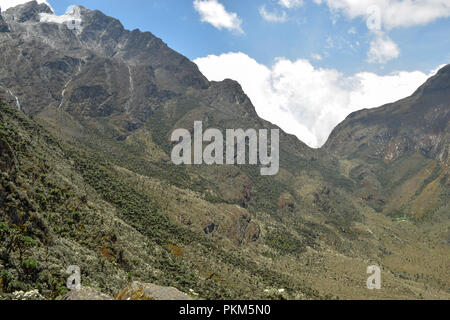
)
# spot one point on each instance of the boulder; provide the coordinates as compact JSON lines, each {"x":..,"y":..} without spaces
{"x":85,"y":293}
{"x":150,"y":291}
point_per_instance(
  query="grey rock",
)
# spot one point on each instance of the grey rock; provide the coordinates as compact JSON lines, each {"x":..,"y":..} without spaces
{"x":150,"y":291}
{"x":3,"y":24}
{"x":28,"y":11}
{"x":85,"y":293}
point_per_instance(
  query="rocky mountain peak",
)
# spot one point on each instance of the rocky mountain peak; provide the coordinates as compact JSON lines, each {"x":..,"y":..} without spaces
{"x":29,"y":11}
{"x":142,"y":71}
{"x":438,"y":84}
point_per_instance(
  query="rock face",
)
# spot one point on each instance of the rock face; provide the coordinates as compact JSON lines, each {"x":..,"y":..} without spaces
{"x":124,"y":83}
{"x":105,"y":71}
{"x":86,"y":293}
{"x":3,"y":25}
{"x":420,"y":122}
{"x":28,"y":11}
{"x":79,"y":62}
{"x":244,"y":229}
{"x":149,"y":291}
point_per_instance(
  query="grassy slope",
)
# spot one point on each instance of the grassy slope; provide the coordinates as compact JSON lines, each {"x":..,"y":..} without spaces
{"x":120,"y":218}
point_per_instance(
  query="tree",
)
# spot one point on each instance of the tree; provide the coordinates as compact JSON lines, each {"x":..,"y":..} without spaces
{"x":19,"y":242}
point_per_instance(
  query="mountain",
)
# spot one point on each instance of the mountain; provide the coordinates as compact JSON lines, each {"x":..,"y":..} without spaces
{"x":87,"y":180}
{"x":399,"y":153}
{"x":417,"y":123}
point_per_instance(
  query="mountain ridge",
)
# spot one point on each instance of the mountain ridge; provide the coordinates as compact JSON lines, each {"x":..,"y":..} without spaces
{"x":424,"y":112}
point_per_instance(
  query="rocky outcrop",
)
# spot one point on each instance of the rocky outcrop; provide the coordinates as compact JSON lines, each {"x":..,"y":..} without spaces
{"x":286,"y":201}
{"x":28,"y":11}
{"x":85,"y":293}
{"x":134,"y":291}
{"x":209,"y":228}
{"x":243,"y":229}
{"x":3,"y":24}
{"x":149,"y":291}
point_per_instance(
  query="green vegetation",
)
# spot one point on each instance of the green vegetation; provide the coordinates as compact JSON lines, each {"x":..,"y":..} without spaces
{"x":40,"y":208}
{"x":284,"y":242}
{"x":121,"y":213}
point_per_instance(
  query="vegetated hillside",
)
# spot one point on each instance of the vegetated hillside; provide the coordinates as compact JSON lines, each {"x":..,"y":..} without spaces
{"x":109,"y":83}
{"x":61,"y":206}
{"x":399,"y":153}
{"x":105,"y":196}
{"x":64,"y":204}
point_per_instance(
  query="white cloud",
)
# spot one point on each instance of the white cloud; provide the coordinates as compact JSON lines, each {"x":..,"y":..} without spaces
{"x":290,"y":3}
{"x":272,"y":16}
{"x":213,"y":12}
{"x":316,"y":56}
{"x":388,"y":14}
{"x":382,"y":49}
{"x":6,"y":4}
{"x":307,"y":101}
{"x":394,"y":13}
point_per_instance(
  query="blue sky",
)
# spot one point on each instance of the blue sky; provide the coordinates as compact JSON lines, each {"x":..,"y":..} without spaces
{"x":305,"y":64}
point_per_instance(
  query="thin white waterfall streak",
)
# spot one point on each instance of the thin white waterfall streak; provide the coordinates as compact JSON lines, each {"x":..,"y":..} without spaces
{"x":63,"y":93}
{"x":18,"y":105}
{"x":127,"y":109}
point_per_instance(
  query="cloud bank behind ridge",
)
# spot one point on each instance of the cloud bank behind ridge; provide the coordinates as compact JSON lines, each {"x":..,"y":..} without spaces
{"x":304,"y":100}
